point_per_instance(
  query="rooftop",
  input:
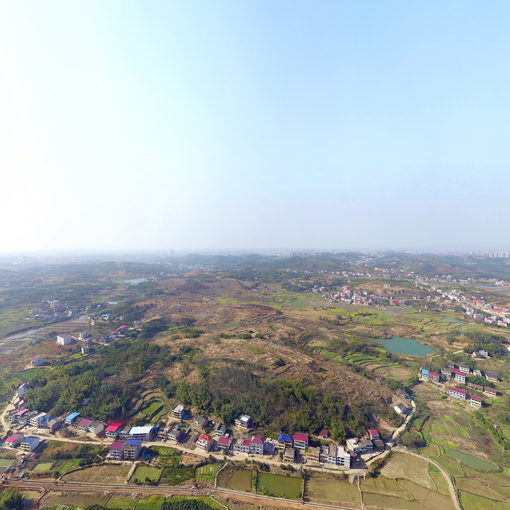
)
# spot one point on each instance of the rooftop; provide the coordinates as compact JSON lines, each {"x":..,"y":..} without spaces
{"x":113,"y":427}
{"x":147,"y":429}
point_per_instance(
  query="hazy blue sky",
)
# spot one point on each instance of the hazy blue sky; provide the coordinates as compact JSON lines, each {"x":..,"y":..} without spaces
{"x":245,"y":125}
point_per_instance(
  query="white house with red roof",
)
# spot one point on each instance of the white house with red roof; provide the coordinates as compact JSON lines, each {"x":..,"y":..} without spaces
{"x":205,"y":441}
{"x":459,"y":376}
{"x":14,"y":440}
{"x":257,"y":445}
{"x":113,"y":429}
{"x":374,"y":434}
{"x":224,"y":443}
{"x":476,"y":401}
{"x":456,"y":393}
{"x":300,"y":441}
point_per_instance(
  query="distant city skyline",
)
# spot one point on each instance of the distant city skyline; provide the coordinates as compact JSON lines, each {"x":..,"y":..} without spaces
{"x":254,"y":126}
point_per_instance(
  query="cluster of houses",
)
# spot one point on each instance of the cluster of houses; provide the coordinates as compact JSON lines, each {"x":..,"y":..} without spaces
{"x":461,"y":375}
{"x":66,"y":339}
{"x":474,"y":400}
{"x":24,"y":443}
{"x":127,"y":440}
{"x":289,"y":446}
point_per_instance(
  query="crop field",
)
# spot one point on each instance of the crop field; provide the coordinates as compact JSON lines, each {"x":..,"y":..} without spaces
{"x":176,"y":475}
{"x":472,"y":461}
{"x":207,"y":473}
{"x":123,"y":502}
{"x":403,"y":494}
{"x":111,"y":472}
{"x":142,"y":473}
{"x":236,"y":479}
{"x":409,"y":467}
{"x":5,"y":463}
{"x":82,"y":499}
{"x":66,"y":465}
{"x":43,"y":467}
{"x":330,"y":489}
{"x":279,"y":486}
{"x":150,"y":503}
{"x":472,"y":502}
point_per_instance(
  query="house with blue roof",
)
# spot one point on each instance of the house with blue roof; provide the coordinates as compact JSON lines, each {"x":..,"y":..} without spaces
{"x":132,"y":449}
{"x":72,"y":418}
{"x":285,"y":441}
{"x":30,"y":443}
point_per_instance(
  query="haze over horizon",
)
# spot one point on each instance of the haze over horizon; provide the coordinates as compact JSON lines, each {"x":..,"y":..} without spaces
{"x":254,"y":125}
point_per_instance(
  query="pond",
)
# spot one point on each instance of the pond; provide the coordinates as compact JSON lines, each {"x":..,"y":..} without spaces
{"x":402,"y":345}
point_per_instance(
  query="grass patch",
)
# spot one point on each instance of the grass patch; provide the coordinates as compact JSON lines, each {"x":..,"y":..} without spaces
{"x":280,"y":486}
{"x":43,"y":467}
{"x":123,"y":502}
{"x":470,"y":460}
{"x":146,"y":474}
{"x":150,"y":503}
{"x":236,"y":479}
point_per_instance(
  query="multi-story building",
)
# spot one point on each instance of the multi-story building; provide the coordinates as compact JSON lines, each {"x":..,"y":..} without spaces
{"x":113,"y":429}
{"x":284,"y":441}
{"x":224,"y":443}
{"x":144,"y":433}
{"x":300,"y":441}
{"x":64,"y":339}
{"x":116,"y":450}
{"x":205,"y":441}
{"x":14,"y":440}
{"x":476,"y":401}
{"x":257,"y":445}
{"x":289,"y":454}
{"x":244,"y":422}
{"x":30,"y":443}
{"x":456,"y":393}
{"x":40,"y":420}
{"x":242,"y":445}
{"x":132,"y":449}
{"x":459,"y":376}
{"x":176,"y":434}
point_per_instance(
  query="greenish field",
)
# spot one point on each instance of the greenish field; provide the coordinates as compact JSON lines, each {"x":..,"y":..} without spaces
{"x":207,"y":473}
{"x":150,"y":503}
{"x":279,"y":486}
{"x":43,"y":467}
{"x":472,"y":461}
{"x":142,"y":473}
{"x":121,"y":502}
{"x":67,"y":465}
{"x":236,"y":479}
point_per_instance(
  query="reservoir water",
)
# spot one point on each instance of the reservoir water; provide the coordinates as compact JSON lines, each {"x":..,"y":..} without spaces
{"x":402,"y":345}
